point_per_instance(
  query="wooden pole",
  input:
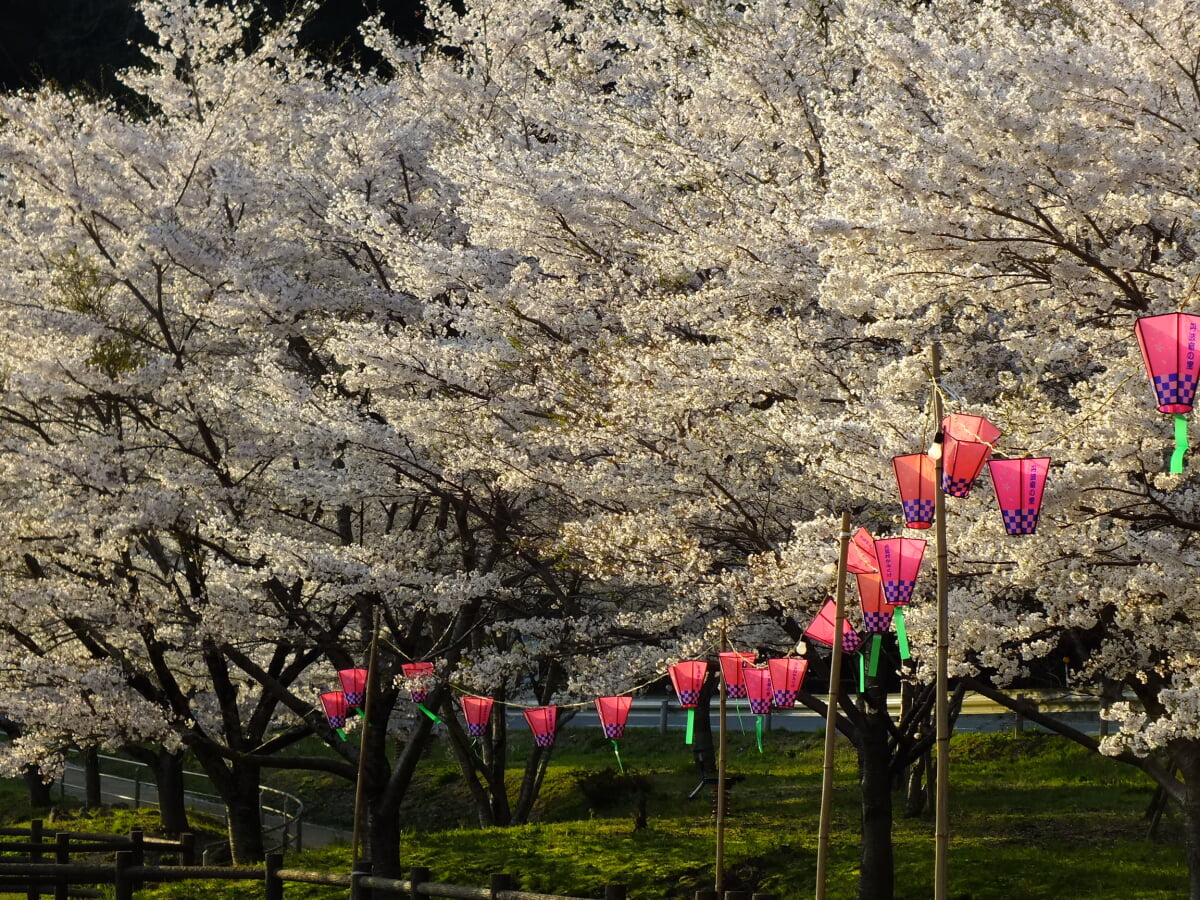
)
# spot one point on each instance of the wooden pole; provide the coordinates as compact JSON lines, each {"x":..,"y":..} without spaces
{"x":360,"y":790}
{"x":942,"y":795}
{"x":835,"y":675}
{"x":722,"y":765}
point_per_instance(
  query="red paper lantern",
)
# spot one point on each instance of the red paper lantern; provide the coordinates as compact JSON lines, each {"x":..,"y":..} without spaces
{"x":335,"y":708}
{"x":613,"y":713}
{"x":787,"y":675}
{"x":477,"y":711}
{"x":821,"y":629}
{"x":733,"y":664}
{"x":758,"y":690}
{"x":877,"y":615}
{"x":687,"y":678}
{"x":1019,"y":484}
{"x":967,"y":443}
{"x":860,"y":553}
{"x":542,"y":721}
{"x":914,"y":476}
{"x":420,"y":674}
{"x":1169,"y":350}
{"x":354,"y":683}
{"x":899,"y":563}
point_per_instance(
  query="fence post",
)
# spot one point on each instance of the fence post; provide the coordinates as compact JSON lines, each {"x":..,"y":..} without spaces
{"x":707,"y":895}
{"x":137,"y":788}
{"x":62,"y":856}
{"x":662,"y":717}
{"x":758,"y":896}
{"x":137,"y":853}
{"x":35,"y":856}
{"x":417,"y":875}
{"x":737,"y":895}
{"x":358,"y":891}
{"x":272,"y":883}
{"x":123,"y":883}
{"x":500,"y":881}
{"x":187,"y":849}
{"x":614,"y":892}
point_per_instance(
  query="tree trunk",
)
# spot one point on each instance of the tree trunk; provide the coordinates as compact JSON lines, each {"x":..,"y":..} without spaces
{"x":172,"y":804}
{"x":91,"y":778}
{"x":39,"y":791}
{"x":877,"y":868}
{"x":1189,"y":767}
{"x":245,"y":815}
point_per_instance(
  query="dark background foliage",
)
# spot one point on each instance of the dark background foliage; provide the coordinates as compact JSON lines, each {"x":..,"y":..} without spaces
{"x":81,"y":43}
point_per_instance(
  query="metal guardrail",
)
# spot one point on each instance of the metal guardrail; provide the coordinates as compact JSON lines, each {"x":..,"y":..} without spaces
{"x":140,"y":790}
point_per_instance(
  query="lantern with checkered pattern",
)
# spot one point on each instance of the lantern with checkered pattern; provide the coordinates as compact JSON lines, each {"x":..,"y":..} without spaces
{"x":1019,"y":484}
{"x":335,"y":706}
{"x":967,"y":442}
{"x":899,"y":563}
{"x":821,"y":629}
{"x":354,"y":685}
{"x":733,"y":665}
{"x":419,"y":675}
{"x":542,"y":721}
{"x":787,"y":675}
{"x":860,"y":553}
{"x":914,"y":476}
{"x":877,"y":615}
{"x":1169,"y":350}
{"x":613,"y":713}
{"x":477,"y":711}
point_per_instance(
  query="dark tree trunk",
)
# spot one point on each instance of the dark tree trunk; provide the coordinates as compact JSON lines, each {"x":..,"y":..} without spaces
{"x":877,"y":867}
{"x":1189,"y":768}
{"x":91,"y":778}
{"x":39,"y":791}
{"x":245,"y":815}
{"x":172,"y":804}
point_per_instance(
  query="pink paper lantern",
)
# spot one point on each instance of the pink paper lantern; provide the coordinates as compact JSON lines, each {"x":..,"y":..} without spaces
{"x":967,"y":443}
{"x":758,"y":690}
{"x":860,"y":553}
{"x":733,"y":664}
{"x":354,"y":683}
{"x":542,"y":721}
{"x":687,"y":678}
{"x":335,"y":706}
{"x":613,"y":713}
{"x":477,"y":711}
{"x":821,"y":629}
{"x":877,"y":615}
{"x":1169,"y":350}
{"x":899,"y":563}
{"x":915,"y":476}
{"x":1019,"y":484}
{"x":420,"y":674}
{"x":787,"y":675}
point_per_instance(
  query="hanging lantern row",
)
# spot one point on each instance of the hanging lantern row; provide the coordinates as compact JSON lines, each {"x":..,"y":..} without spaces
{"x":967,"y":446}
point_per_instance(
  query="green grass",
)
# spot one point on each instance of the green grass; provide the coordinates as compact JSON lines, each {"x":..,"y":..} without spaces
{"x":1032,"y":817}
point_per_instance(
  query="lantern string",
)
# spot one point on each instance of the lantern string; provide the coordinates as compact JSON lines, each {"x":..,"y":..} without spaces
{"x":1085,"y":419}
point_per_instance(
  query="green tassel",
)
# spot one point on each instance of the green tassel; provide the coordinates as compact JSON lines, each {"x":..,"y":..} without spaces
{"x":902,"y":633}
{"x":691,"y":726}
{"x":862,"y":674}
{"x":423,"y":708}
{"x":1181,"y":444}
{"x":358,"y":711}
{"x":340,"y":733}
{"x":617,"y":751}
{"x":758,"y":732}
{"x":876,"y":644}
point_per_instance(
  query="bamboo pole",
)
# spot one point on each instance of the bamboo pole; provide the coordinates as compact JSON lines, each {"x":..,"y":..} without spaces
{"x":835,"y":675}
{"x":722,"y":765}
{"x":360,"y":789}
{"x":942,"y":794}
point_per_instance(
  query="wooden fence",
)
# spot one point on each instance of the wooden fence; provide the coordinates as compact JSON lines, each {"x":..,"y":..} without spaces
{"x":46,"y":869}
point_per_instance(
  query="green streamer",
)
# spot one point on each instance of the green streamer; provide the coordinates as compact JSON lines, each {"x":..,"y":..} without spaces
{"x":617,"y":751}
{"x":1181,"y":444}
{"x":358,"y":711}
{"x":876,"y":644}
{"x":758,"y":732}
{"x":340,"y":733}
{"x":423,"y":708}
{"x":862,"y":674}
{"x":691,"y":726}
{"x":902,"y":633}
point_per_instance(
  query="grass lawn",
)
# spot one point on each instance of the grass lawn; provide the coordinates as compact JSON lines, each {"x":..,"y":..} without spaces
{"x":1032,"y":816}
